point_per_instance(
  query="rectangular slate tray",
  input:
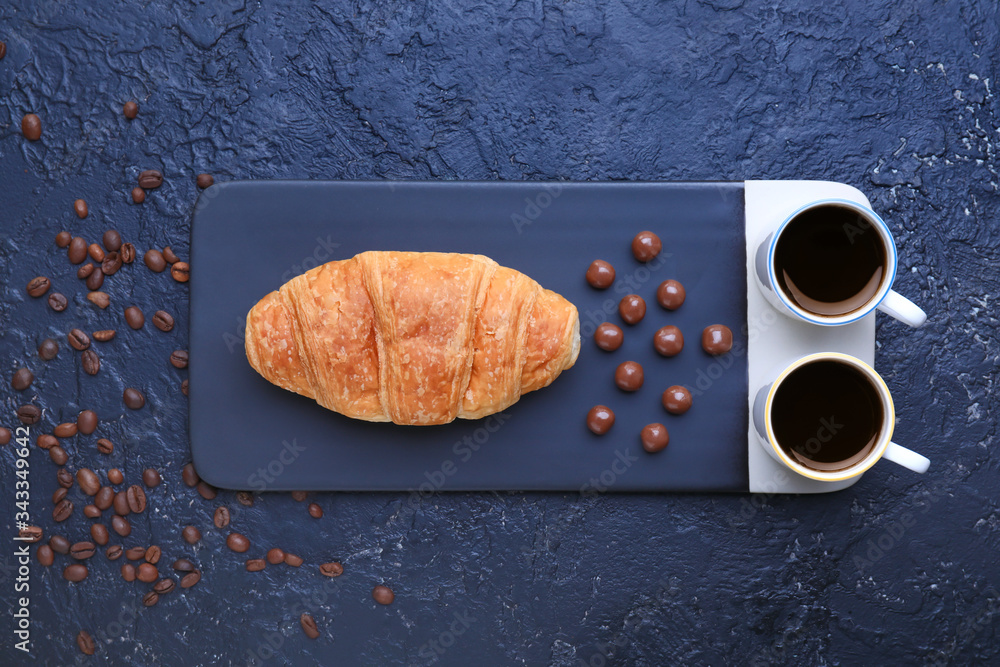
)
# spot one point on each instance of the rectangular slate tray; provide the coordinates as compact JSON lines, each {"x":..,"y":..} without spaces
{"x":248,"y":238}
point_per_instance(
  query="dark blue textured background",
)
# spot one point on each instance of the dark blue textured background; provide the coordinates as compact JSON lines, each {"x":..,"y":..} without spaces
{"x":897,"y":100}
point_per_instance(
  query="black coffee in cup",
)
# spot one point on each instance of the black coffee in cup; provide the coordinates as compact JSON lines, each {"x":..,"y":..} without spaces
{"x":830,"y":260}
{"x":827,"y":415}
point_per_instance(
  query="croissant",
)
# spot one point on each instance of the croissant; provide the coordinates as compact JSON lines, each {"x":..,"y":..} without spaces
{"x":412,"y":337}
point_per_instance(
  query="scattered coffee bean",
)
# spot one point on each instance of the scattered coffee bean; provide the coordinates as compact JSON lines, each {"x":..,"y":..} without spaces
{"x":183,"y":565}
{"x":65,"y":430}
{"x":85,"y":271}
{"x":95,"y":280}
{"x":114,"y":552}
{"x":147,"y":573}
{"x":58,"y":455}
{"x":204,"y":181}
{"x":133,"y":398}
{"x":170,"y":256}
{"x":88,"y":480}
{"x":91,"y":362}
{"x":138,"y":195}
{"x":332,"y":569}
{"x":128,"y":253}
{"x":112,"y":240}
{"x":190,"y":475}
{"x":65,"y":478}
{"x":121,"y":525}
{"x":31,"y":534}
{"x":99,"y":299}
{"x":153,"y":554}
{"x":135,"y":553}
{"x":676,"y":400}
{"x":78,"y":339}
{"x":293,"y":560}
{"x":99,"y":533}
{"x":150,"y":179}
{"x":184,"y":387}
{"x":3,"y":50}
{"x":29,"y":414}
{"x":315,"y":511}
{"x":206,"y":491}
{"x":82,"y":550}
{"x":164,"y":586}
{"x":646,"y":246}
{"x":717,"y":339}
{"x":57,"y":302}
{"x":76,"y":572}
{"x":85,"y":643}
{"x":63,"y":238}
{"x":48,"y":349}
{"x":275,"y":556}
{"x":104,"y":335}
{"x":299,"y":496}
{"x":256,"y":564}
{"x":190,"y":579}
{"x":629,"y":376}
{"x":632,"y":308}
{"x":112,"y":262}
{"x":45,"y":555}
{"x":128,"y":572}
{"x":77,"y":250}
{"x":154,"y":260}
{"x":115,"y":475}
{"x":383,"y":595}
{"x":221,"y":517}
{"x":86,"y":422}
{"x":670,"y":294}
{"x":245,"y":498}
{"x":654,"y":437}
{"x":31,"y":127}
{"x":80,"y":208}
{"x":59,"y":544}
{"x":22,"y":379}
{"x":179,"y":358}
{"x":5,"y":435}
{"x":237,"y":542}
{"x":163,"y":320}
{"x":180,"y":272}
{"x":91,"y":511}
{"x":96,"y":252}
{"x":136,"y":499}
{"x":150,"y":598}
{"x":105,"y":497}
{"x":150,"y":477}
{"x":131,"y":109}
{"x":134,"y":317}
{"x":308,"y":624}
{"x":600,"y":419}
{"x":38,"y":286}
{"x":58,"y":495}
{"x":120,"y":503}
{"x":191,"y":534}
{"x":63,"y":510}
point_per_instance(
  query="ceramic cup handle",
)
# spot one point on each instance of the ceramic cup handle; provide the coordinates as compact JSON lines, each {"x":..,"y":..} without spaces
{"x":907,"y":458}
{"x":898,"y":306}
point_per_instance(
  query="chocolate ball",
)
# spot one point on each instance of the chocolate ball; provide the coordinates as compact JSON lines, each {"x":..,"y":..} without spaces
{"x":632,"y":308}
{"x":717,"y":339}
{"x":609,"y":337}
{"x":670,"y":294}
{"x":654,"y":437}
{"x":600,"y":275}
{"x":668,"y":340}
{"x":677,"y":400}
{"x":646,"y":246}
{"x":628,"y":376}
{"x":600,"y":419}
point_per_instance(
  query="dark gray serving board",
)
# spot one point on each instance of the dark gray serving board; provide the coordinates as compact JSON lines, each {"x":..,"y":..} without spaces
{"x":250,"y":237}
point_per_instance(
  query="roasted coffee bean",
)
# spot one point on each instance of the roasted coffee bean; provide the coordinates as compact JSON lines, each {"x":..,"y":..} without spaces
{"x":191,"y":534}
{"x":299,"y":496}
{"x":99,"y":299}
{"x":150,"y":477}
{"x":59,"y":544}
{"x":87,"y":422}
{"x":135,"y":553}
{"x":170,"y":255}
{"x":76,"y":572}
{"x":120,"y":503}
{"x":190,"y":475}
{"x":85,"y":270}
{"x":150,"y":598}
{"x":184,"y":387}
{"x":90,"y":362}
{"x":163,"y":320}
{"x":221,"y":517}
{"x":131,"y":109}
{"x":92,"y":511}
{"x":104,"y":335}
{"x":80,"y":208}
{"x":136,"y":499}
{"x":134,"y":317}
{"x":147,"y":573}
{"x":105,"y":446}
{"x":45,"y":555}
{"x":308,"y":624}
{"x":3,"y":50}
{"x":29,"y":414}
{"x":38,"y":286}
{"x":22,"y":379}
{"x":237,"y":542}
{"x":383,"y":595}
{"x":275,"y":556}
{"x":31,"y":534}
{"x":105,"y":497}
{"x":63,"y":238}
{"x":204,"y":181}
{"x":96,"y":252}
{"x":164,"y":586}
{"x":315,"y":511}
{"x":128,"y":572}
{"x":121,"y":525}
{"x":154,"y":260}
{"x":31,"y":127}
{"x":183,"y":565}
{"x":256,"y":564}
{"x":57,"y":302}
{"x":114,"y":552}
{"x":77,"y":251}
{"x":206,"y":491}
{"x":65,"y":478}
{"x":150,"y":179}
{"x":293,"y":560}
{"x":112,"y":262}
{"x":153,"y":554}
{"x":332,"y":569}
{"x":133,"y":398}
{"x":99,"y":533}
{"x":245,"y":498}
{"x":58,"y":495}
{"x":138,"y":195}
{"x":128,"y":253}
{"x":190,"y":579}
{"x":48,"y":349}
{"x":179,"y":358}
{"x":95,"y":280}
{"x":180,"y":272}
{"x":63,"y":510}
{"x":4,"y":435}
{"x":65,"y":430}
{"x":85,"y":643}
{"x":78,"y":340}
{"x":115,"y":475}
{"x":112,"y":240}
{"x":58,"y":455}
{"x":82,"y":550}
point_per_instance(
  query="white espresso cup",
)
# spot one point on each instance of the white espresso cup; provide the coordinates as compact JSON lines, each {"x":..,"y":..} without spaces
{"x":829,"y":417}
{"x":830,"y":259}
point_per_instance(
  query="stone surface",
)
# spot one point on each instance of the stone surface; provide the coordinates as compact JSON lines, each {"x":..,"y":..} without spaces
{"x":897,"y":100}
